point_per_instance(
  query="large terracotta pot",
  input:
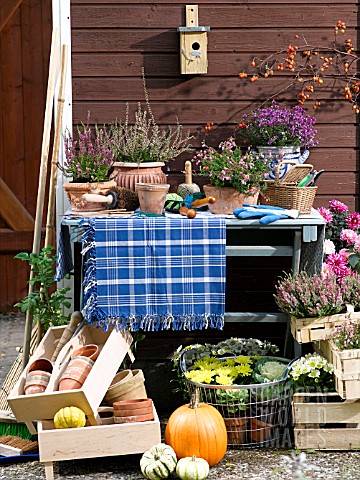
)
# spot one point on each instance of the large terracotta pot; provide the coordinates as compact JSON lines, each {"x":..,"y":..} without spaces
{"x":128,"y":174}
{"x":228,"y":199}
{"x":75,"y":191}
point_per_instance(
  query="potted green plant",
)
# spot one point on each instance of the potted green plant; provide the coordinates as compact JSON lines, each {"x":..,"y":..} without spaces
{"x":279,"y":133}
{"x":45,"y":303}
{"x":89,"y":162}
{"x":235,"y":177}
{"x":142,"y":148}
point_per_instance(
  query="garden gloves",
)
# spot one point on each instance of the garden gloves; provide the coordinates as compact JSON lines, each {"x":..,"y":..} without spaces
{"x":265,"y":213}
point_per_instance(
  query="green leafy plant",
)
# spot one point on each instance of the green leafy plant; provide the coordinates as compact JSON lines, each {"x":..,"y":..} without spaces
{"x":269,"y":370}
{"x":233,"y":400}
{"x":45,"y":305}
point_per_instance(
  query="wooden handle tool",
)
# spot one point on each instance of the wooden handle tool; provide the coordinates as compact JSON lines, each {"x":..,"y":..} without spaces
{"x":203,"y":202}
{"x":188,"y":212}
{"x":110,"y":199}
{"x":75,"y":319}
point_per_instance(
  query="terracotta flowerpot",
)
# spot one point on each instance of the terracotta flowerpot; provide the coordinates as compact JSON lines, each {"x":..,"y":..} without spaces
{"x":42,"y":364}
{"x":260,"y":431}
{"x":75,"y":191}
{"x":106,"y":415}
{"x":75,"y":374}
{"x":129,"y":408}
{"x":236,"y":429}
{"x":129,"y":388}
{"x":228,"y":199}
{"x":89,"y":351}
{"x":128,"y":174}
{"x":152,"y":197}
{"x":134,"y":418}
{"x":36,"y":382}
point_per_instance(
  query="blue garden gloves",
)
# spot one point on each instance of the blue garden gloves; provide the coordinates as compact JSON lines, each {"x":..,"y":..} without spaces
{"x":266,"y":213}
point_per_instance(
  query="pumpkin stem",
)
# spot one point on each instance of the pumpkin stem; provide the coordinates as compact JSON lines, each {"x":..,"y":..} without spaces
{"x":195,"y":399}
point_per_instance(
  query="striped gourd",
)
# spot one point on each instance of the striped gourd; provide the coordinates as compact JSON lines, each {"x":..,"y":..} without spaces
{"x":158,"y":462}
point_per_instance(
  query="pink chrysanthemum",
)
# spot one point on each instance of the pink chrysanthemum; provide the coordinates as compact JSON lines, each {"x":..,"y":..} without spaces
{"x":357,"y":245}
{"x":326,"y":214}
{"x":353,"y":221}
{"x":329,"y":247}
{"x":337,"y":206}
{"x":338,"y":264}
{"x":348,"y":236}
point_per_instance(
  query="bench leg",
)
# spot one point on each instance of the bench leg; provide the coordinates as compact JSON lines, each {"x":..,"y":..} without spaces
{"x":49,"y":470}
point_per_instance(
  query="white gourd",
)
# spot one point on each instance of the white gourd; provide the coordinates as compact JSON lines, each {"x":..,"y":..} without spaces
{"x":158,"y":462}
{"x":192,"y":468}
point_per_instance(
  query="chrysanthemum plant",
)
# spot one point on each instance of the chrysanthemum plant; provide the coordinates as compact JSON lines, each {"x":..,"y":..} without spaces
{"x":313,"y":68}
{"x":312,"y":373}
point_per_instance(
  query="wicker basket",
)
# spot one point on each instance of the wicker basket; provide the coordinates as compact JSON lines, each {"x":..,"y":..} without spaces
{"x":286,"y":194}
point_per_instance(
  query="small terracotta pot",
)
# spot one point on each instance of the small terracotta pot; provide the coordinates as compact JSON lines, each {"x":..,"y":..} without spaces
{"x":42,"y":364}
{"x":236,"y":429}
{"x":90,"y":351}
{"x":106,"y":415}
{"x":152,"y":197}
{"x":260,"y":431}
{"x":75,"y":373}
{"x":36,"y":382}
{"x":134,"y":418}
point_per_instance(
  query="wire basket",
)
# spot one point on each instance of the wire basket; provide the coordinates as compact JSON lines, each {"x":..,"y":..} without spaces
{"x":255,"y":415}
{"x":286,"y":194}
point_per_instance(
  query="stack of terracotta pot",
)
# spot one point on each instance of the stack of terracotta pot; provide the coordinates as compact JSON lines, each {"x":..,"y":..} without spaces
{"x":82,"y":361}
{"x":128,"y":411}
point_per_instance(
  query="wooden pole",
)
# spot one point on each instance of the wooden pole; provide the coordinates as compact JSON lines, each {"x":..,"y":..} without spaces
{"x":53,"y":68}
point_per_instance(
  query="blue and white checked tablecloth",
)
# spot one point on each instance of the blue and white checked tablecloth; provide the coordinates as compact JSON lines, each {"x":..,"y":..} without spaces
{"x":155,"y":273}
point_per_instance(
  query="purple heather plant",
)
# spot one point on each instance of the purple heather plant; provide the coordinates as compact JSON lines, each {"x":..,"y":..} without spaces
{"x":90,"y":158}
{"x":303,"y":295}
{"x":277,"y":126}
{"x":228,"y":166}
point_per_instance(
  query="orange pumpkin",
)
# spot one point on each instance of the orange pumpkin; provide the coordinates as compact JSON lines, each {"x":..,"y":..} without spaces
{"x":197,"y":429}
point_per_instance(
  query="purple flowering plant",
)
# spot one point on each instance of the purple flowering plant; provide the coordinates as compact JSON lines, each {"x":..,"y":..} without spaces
{"x":303,"y":295}
{"x":91,"y":157}
{"x":228,"y":166}
{"x":342,"y":240}
{"x":347,"y":336}
{"x":277,"y":126}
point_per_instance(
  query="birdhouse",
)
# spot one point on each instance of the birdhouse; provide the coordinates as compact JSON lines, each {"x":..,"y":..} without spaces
{"x":193,"y":43}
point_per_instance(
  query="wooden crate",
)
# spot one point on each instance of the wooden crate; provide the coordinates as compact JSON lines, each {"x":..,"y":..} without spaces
{"x":306,"y":330}
{"x":328,"y":424}
{"x":114,"y":346}
{"x":95,"y":441}
{"x":346,"y":368}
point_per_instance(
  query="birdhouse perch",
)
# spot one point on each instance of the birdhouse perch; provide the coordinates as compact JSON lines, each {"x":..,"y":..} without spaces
{"x":193,"y":43}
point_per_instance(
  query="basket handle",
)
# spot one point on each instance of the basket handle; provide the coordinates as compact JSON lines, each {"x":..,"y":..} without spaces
{"x":278,"y":167}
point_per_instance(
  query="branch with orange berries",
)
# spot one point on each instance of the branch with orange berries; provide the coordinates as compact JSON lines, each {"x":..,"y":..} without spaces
{"x":313,"y":67}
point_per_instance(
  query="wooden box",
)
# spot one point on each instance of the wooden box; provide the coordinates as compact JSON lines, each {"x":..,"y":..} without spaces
{"x":95,"y":441}
{"x":306,"y":330}
{"x":114,"y":346}
{"x":329,"y":423}
{"x":346,"y":368}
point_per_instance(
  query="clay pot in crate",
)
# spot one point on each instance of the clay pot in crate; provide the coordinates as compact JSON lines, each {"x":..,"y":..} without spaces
{"x":90,"y":351}
{"x":75,"y":373}
{"x":128,"y":408}
{"x":36,"y":382}
{"x":126,"y":386}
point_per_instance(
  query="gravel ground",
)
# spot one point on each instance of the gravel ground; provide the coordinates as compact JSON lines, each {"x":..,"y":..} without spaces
{"x":258,"y":464}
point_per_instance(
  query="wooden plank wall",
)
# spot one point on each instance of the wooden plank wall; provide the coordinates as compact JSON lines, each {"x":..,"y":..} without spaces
{"x":113,"y":39}
{"x":24,"y":57}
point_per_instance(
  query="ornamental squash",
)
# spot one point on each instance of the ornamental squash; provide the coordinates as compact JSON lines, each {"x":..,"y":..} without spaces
{"x":192,"y":468}
{"x":69,"y":417}
{"x":158,"y":462}
{"x":197,"y":429}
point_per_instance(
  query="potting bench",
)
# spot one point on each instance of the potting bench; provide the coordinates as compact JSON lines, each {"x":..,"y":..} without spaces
{"x":301,"y":239}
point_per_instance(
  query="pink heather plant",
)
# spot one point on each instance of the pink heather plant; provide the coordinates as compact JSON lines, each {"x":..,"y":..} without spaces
{"x":350,"y":288}
{"x":347,"y":336}
{"x":302,"y":295}
{"x":90,"y":158}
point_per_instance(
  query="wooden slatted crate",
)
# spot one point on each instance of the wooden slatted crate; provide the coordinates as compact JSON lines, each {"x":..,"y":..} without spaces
{"x":346,"y":368}
{"x":326,"y":422}
{"x":306,"y":330}
{"x":95,"y":441}
{"x":114,"y":345}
